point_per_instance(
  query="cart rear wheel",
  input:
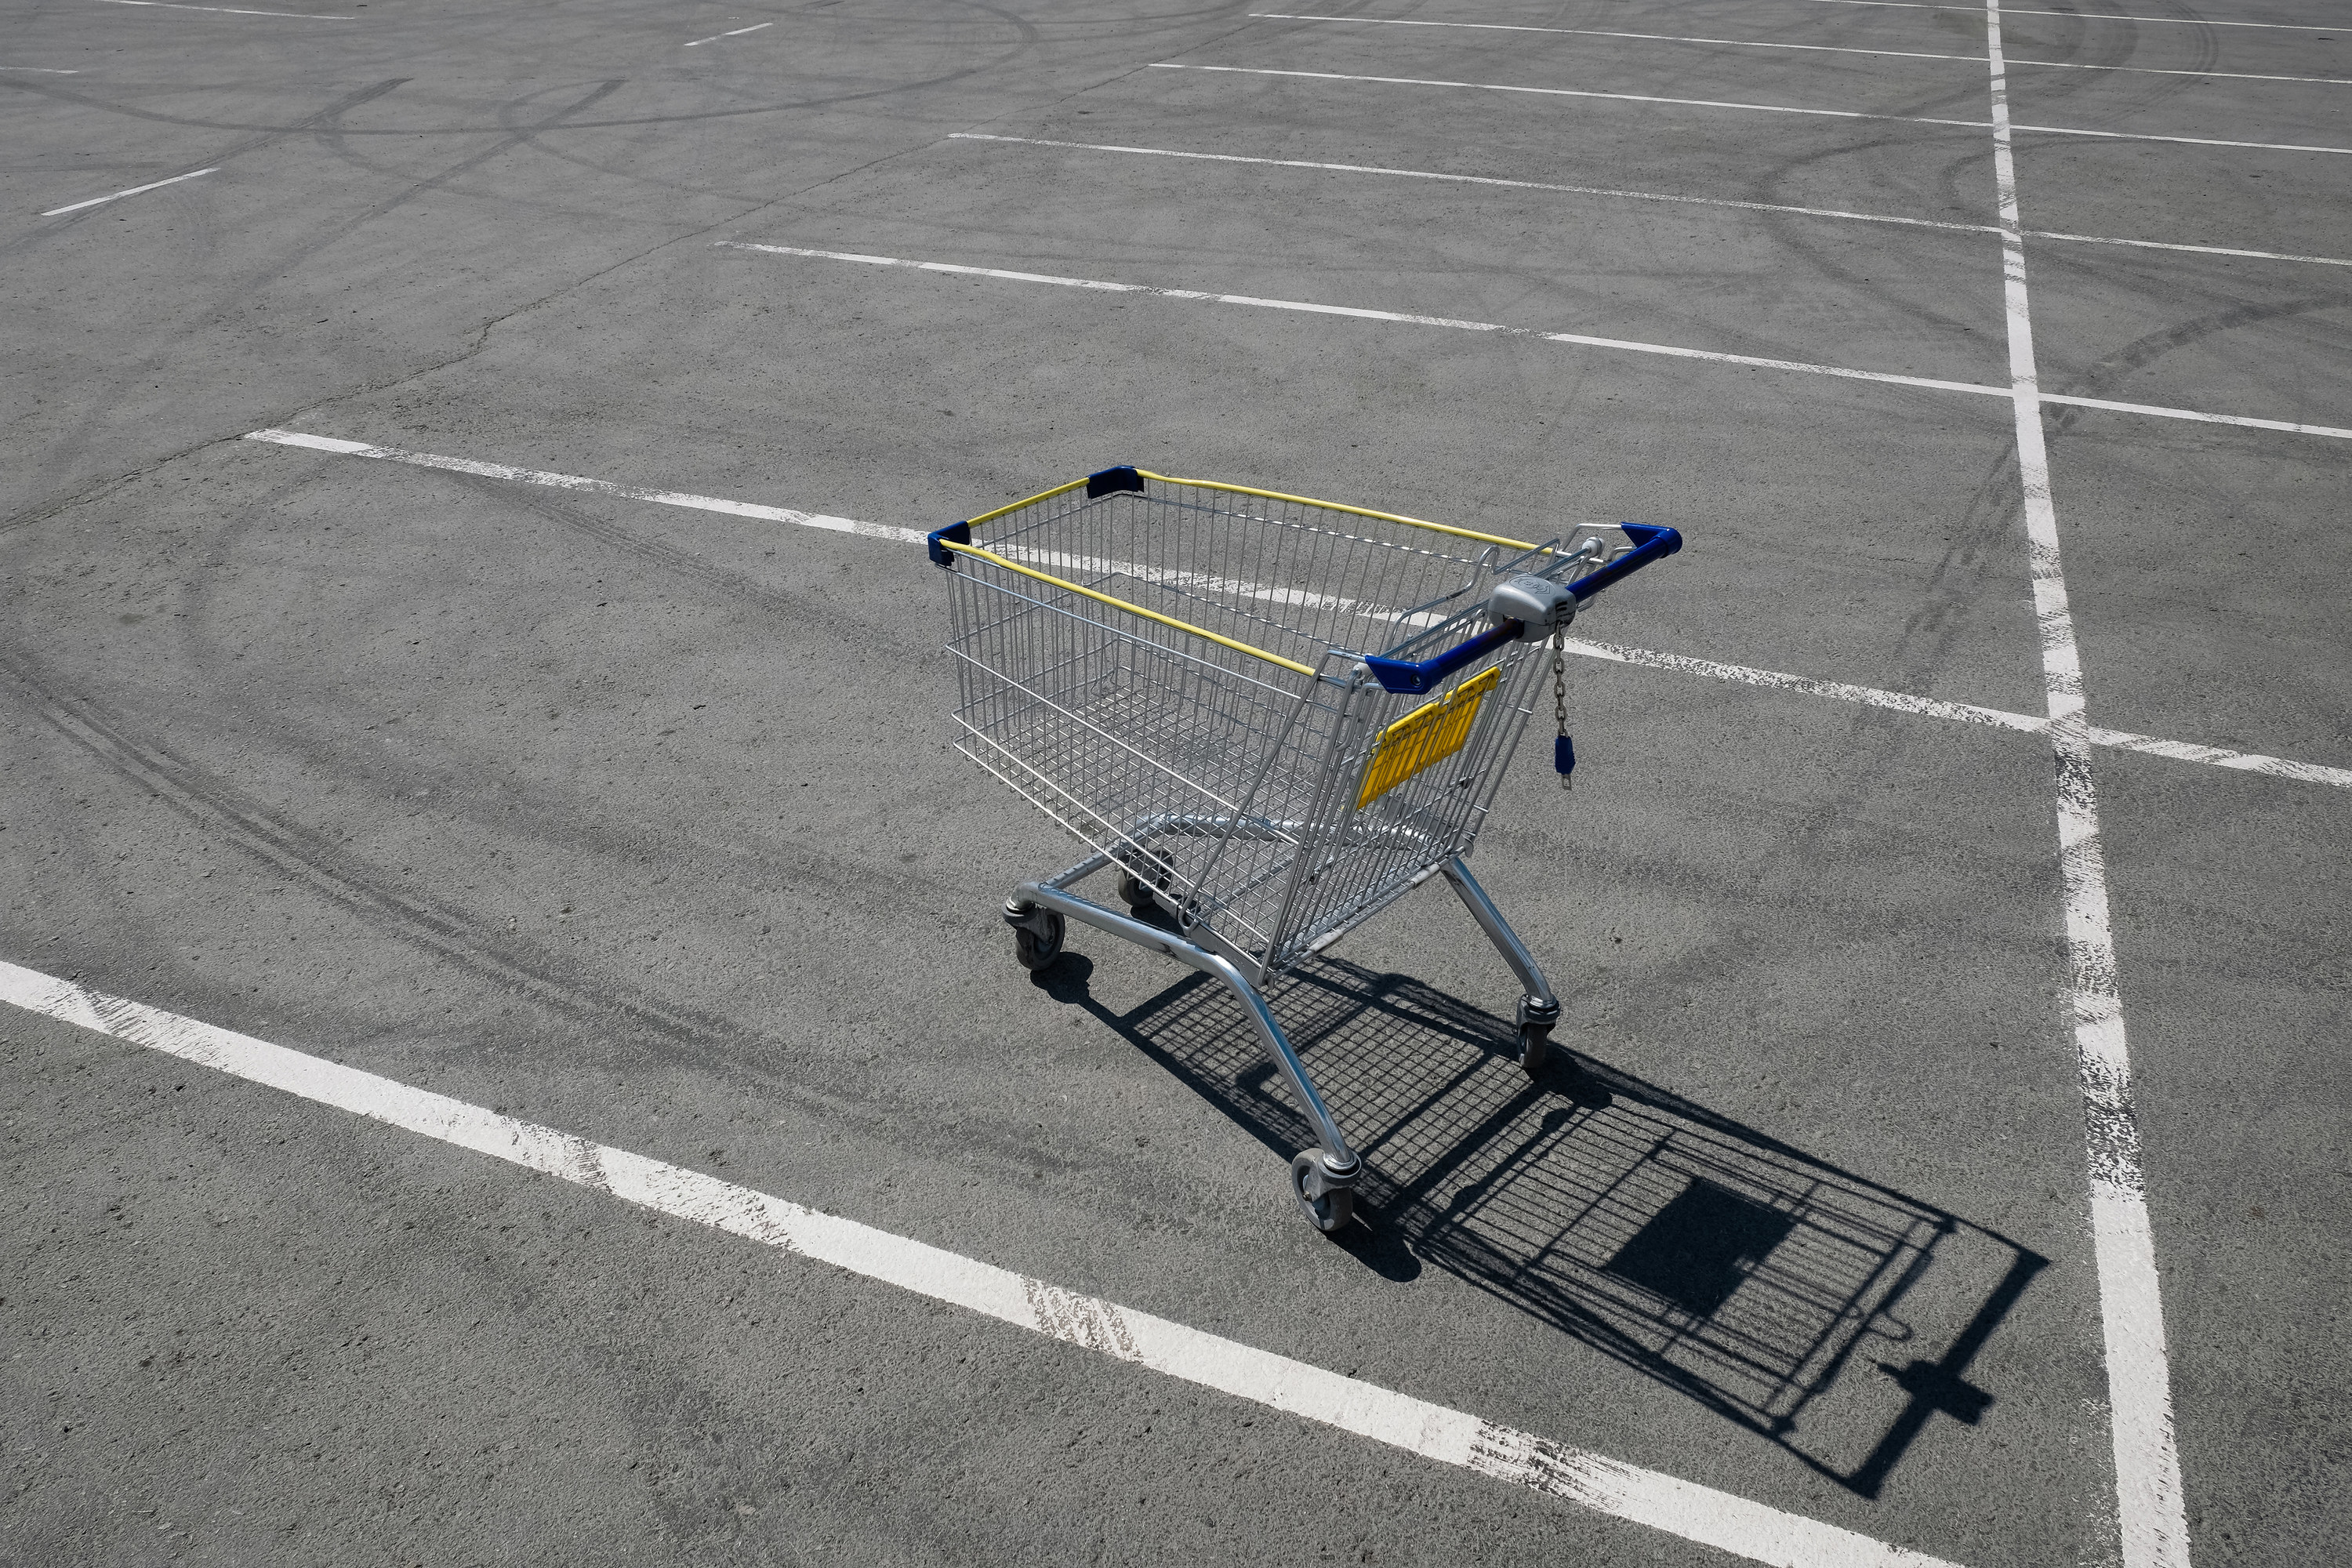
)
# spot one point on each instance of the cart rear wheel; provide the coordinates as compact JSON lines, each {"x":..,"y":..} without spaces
{"x":1038,"y":951}
{"x":1135,"y":892}
{"x":1329,"y":1212}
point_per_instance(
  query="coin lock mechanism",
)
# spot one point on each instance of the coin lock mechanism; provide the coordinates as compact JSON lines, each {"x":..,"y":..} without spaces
{"x":1543,"y":608}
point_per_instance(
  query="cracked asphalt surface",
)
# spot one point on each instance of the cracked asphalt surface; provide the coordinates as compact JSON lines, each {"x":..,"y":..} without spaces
{"x":645,"y":822}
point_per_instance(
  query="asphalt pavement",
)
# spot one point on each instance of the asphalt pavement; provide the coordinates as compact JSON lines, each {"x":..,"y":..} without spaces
{"x":644,"y":821}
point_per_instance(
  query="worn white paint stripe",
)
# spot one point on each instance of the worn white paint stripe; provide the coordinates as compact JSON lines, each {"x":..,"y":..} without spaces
{"x":1772,"y":680}
{"x":230,"y":10}
{"x":1751,"y":108}
{"x":1487,"y":180}
{"x":1581,"y":340}
{"x":2150,"y":1515}
{"x":135,"y":189}
{"x":1808,"y":48}
{"x":2287,"y":426}
{"x":1363,"y":313}
{"x":1837,"y":213}
{"x":1590,"y":1481}
{"x":2244,"y":762}
{"x":1805,"y":685}
{"x":2191,"y":249}
{"x":736,"y":34}
{"x":2074,"y":16}
{"x":1962,"y":713}
{"x":41,"y":70}
{"x":597,"y":487}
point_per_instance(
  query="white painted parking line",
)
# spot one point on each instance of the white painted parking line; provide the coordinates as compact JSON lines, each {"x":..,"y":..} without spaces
{"x":229,"y":10}
{"x":1965,"y":713}
{"x":1579,"y":340}
{"x":1776,"y":680}
{"x":135,"y":189}
{"x":1752,"y":107}
{"x":2151,"y":1522}
{"x":41,"y":70}
{"x":597,"y":487}
{"x":2073,"y":16}
{"x":1435,"y":1432}
{"x":1644,"y":196}
{"x":736,"y":34}
{"x":1808,"y":48}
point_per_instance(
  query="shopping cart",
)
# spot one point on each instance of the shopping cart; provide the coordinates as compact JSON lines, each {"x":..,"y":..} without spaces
{"x":1273,"y":716}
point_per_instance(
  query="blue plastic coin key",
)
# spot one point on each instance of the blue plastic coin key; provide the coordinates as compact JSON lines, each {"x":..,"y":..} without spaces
{"x":1563,"y":756}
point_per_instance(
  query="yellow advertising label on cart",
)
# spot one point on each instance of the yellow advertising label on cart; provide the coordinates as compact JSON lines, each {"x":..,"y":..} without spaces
{"x":1426,"y":736}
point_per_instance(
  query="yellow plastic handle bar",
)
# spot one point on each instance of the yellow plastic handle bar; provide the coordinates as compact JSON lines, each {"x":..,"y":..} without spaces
{"x":995,"y":559}
{"x":1518,"y":544}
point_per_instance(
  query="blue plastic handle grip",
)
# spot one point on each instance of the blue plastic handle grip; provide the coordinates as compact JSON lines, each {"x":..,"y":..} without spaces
{"x":1404,"y":675}
{"x":1650,"y":543}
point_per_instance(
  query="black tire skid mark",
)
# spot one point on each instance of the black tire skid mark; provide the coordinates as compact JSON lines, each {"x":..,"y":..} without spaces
{"x":782,"y":107}
{"x":2101,"y":378}
{"x":63,"y":456}
{"x":812,"y":611}
{"x":329,"y":115}
{"x":326,"y":123}
{"x":567,"y":833}
{"x":1981,"y":524}
{"x":678,"y":1033}
{"x":318,"y":865}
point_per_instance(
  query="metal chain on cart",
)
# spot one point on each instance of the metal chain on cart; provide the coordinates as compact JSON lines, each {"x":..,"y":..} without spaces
{"x":1564,"y":751}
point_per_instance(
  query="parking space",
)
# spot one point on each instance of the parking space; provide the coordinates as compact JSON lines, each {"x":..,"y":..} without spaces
{"x":630,"y":813}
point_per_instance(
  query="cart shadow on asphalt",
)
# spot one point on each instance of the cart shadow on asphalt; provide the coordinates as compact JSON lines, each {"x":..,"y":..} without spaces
{"x":1716,"y":1259}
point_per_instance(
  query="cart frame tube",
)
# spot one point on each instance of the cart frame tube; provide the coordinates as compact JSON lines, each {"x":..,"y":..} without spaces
{"x":1340,"y":1165}
{"x":1498,"y":931}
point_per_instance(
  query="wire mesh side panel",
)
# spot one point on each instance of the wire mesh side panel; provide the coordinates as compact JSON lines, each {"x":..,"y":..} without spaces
{"x":1227,"y":779}
{"x":1148,"y":743}
{"x":1367,"y":855}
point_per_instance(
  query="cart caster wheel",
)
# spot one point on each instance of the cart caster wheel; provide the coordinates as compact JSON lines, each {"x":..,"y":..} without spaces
{"x":1039,"y":951}
{"x":1334,"y":1208}
{"x":1536,"y":1021}
{"x":1535,"y":1049}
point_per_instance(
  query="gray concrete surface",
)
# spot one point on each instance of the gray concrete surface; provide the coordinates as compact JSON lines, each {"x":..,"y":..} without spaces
{"x":644,"y":822}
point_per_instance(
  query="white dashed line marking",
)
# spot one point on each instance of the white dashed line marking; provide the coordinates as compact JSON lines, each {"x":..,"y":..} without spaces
{"x":1836,"y":213}
{"x":135,"y":189}
{"x":2072,"y":16}
{"x":229,"y":10}
{"x":1808,"y":48}
{"x":1749,"y":108}
{"x":1580,"y":340}
{"x":598,"y":487}
{"x":736,"y":34}
{"x":1770,"y":679}
{"x":1435,"y":1432}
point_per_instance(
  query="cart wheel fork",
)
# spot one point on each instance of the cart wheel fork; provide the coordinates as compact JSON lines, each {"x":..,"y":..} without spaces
{"x":1036,"y":933}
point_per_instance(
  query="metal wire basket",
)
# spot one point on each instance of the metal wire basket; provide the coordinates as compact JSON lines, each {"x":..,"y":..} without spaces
{"x":1275,"y":716}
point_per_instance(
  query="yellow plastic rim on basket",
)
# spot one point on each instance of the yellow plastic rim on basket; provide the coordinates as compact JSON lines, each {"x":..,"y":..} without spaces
{"x":1426,"y":736}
